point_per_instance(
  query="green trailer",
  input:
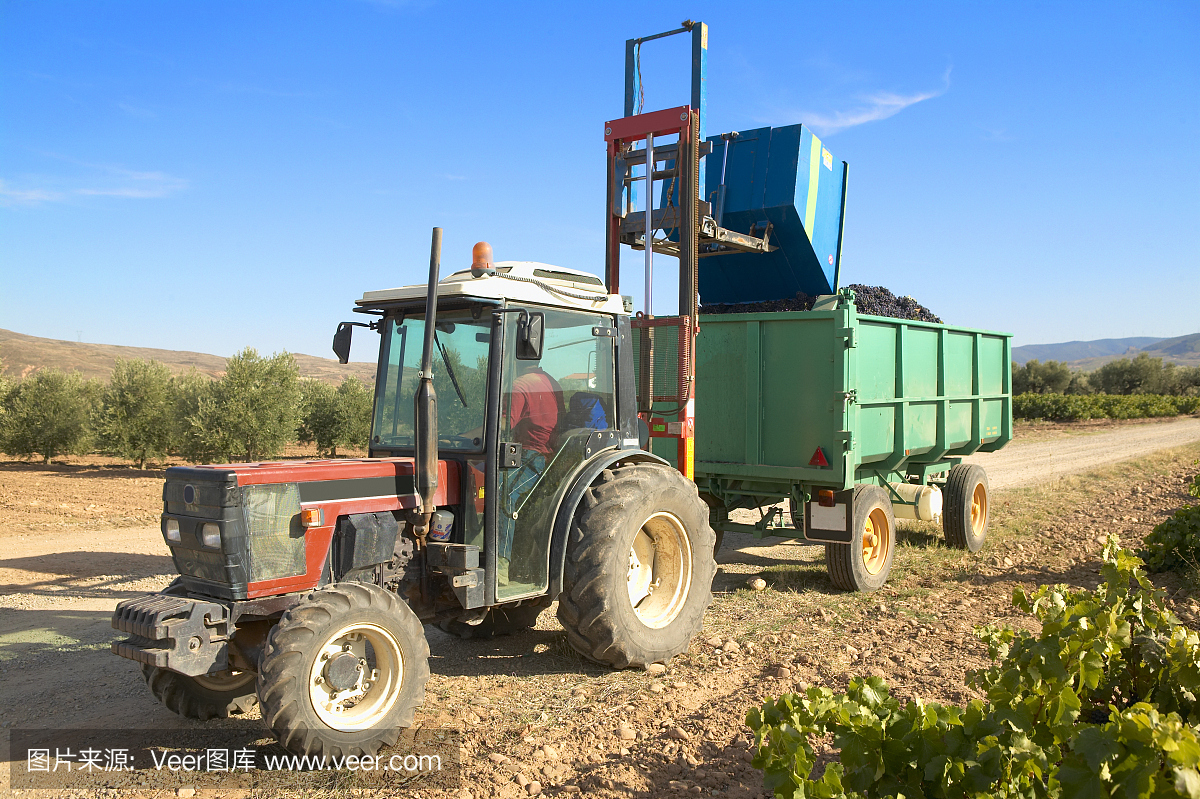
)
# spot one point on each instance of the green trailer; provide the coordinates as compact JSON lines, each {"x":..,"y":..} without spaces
{"x":854,"y":420}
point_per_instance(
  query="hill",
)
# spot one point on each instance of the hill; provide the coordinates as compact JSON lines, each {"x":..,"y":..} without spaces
{"x":24,"y":354}
{"x":1181,"y":347}
{"x":1089,"y":355}
{"x":1079,"y":350}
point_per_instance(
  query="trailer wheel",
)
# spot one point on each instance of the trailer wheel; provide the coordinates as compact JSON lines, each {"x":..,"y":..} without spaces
{"x":718,"y":513}
{"x":639,"y":567}
{"x":213,"y":696}
{"x":864,"y":563}
{"x":343,"y":671}
{"x":965,"y":516}
{"x":501,"y":620}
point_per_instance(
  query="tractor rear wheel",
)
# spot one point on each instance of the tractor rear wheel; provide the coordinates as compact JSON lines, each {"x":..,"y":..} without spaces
{"x":211,"y":696}
{"x":501,"y":620}
{"x":864,"y":563}
{"x":343,"y":671}
{"x":965,"y":515}
{"x":639,"y":567}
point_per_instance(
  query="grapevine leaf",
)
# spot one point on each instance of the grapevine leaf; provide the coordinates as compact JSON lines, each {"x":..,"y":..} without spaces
{"x":1095,"y":746}
{"x":1079,"y":782}
{"x":1187,"y":782}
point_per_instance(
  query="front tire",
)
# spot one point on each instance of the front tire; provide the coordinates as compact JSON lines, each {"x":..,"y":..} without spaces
{"x":215,"y":696}
{"x":639,"y":567}
{"x":865,"y":563}
{"x":343,"y":671}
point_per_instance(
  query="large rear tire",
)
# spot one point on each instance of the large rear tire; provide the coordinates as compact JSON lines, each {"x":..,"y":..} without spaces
{"x":502,"y":620}
{"x":639,"y":567}
{"x":343,"y":671}
{"x":864,"y":563}
{"x":208,"y":697}
{"x":966,"y":512}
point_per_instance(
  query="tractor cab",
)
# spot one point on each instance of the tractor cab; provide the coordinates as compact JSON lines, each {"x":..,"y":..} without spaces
{"x":525,"y":371}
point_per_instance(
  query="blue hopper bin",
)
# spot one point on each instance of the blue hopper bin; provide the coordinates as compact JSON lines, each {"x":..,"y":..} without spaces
{"x":784,"y":176}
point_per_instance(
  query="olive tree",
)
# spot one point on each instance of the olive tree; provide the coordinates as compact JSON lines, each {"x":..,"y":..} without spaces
{"x":338,"y":417}
{"x":137,"y":419}
{"x":1140,"y":375}
{"x":50,"y":414}
{"x":251,"y":413}
{"x":1051,"y":377}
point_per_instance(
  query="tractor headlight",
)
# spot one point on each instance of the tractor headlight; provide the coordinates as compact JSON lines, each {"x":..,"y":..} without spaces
{"x":210,"y":535}
{"x":173,"y":530}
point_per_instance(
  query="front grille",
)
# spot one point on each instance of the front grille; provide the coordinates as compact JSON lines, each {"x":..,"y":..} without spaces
{"x":215,"y":497}
{"x":205,"y":564}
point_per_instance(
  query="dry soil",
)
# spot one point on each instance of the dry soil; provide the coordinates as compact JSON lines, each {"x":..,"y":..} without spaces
{"x":77,"y":538}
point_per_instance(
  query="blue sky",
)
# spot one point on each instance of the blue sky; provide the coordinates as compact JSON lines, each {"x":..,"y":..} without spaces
{"x":213,"y":175}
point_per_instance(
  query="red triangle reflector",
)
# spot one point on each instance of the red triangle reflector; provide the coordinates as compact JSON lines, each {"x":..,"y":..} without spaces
{"x":818,"y":458}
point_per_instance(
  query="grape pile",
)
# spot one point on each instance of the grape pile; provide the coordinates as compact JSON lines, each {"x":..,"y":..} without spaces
{"x":878,"y":301}
{"x":870,"y":300}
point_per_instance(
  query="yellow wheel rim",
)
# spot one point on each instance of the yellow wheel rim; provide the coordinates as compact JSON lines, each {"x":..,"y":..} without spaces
{"x":876,"y":541}
{"x":979,"y":510}
{"x":365,"y":700}
{"x":227,"y":681}
{"x":660,"y":570}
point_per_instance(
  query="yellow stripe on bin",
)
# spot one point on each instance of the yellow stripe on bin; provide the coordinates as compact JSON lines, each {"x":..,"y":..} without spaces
{"x":814,"y":172}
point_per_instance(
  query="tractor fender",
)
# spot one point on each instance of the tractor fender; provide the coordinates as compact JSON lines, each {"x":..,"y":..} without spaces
{"x":570,"y":503}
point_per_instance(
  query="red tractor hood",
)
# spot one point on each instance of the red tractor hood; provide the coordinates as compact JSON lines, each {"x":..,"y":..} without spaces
{"x":346,"y":479}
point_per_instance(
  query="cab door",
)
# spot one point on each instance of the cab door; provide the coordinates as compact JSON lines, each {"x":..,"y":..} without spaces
{"x":549,"y":407}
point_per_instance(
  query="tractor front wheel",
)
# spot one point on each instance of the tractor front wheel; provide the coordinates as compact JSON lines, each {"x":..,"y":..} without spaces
{"x":211,"y":696}
{"x":343,"y":671}
{"x":639,"y":567}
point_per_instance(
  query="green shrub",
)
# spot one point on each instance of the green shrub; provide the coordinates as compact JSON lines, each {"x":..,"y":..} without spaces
{"x":1175,"y":542}
{"x":1103,"y":701}
{"x":1076,"y":407}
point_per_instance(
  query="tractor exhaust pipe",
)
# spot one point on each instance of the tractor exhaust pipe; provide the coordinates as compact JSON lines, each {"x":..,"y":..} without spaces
{"x":426,"y":403}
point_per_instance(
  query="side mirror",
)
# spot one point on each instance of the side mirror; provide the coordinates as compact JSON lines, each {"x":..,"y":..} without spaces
{"x":530,"y":334}
{"x":341,"y":341}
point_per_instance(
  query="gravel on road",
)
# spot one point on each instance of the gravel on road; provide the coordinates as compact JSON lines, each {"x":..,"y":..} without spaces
{"x":1030,"y":463}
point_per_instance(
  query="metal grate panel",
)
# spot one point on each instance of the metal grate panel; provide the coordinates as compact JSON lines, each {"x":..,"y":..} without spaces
{"x":661,"y":348}
{"x":276,"y":535}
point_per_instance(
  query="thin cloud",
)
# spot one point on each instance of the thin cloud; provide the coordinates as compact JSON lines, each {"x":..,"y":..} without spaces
{"x":139,"y":186}
{"x":875,"y":107}
{"x":122,"y":184}
{"x":10,"y":197}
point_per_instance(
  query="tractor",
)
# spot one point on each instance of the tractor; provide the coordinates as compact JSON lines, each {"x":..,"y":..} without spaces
{"x":507,"y":469}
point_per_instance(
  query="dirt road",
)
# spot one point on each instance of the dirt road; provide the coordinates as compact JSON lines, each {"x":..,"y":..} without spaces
{"x":1024,"y":463}
{"x":532,"y":709}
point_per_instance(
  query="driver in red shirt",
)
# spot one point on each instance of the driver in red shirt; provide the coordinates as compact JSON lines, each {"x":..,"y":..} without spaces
{"x":534,"y":408}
